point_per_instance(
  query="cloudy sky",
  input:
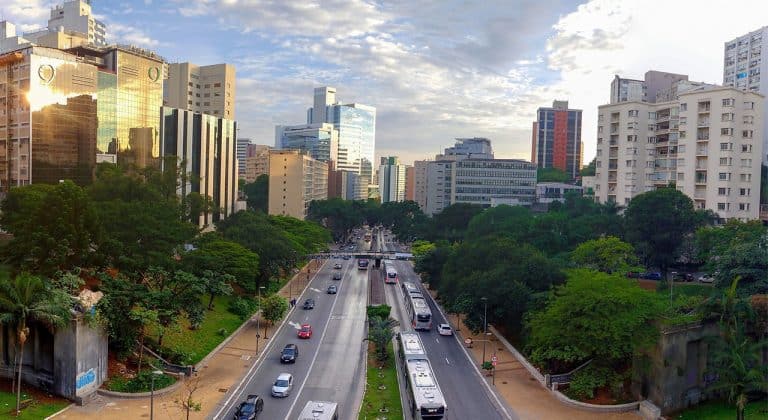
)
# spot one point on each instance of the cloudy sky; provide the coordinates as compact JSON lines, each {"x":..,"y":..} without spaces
{"x":434,"y":69}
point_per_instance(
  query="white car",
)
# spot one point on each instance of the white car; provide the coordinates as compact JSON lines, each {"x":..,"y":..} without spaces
{"x":444,"y":329}
{"x":283,"y":385}
{"x":707,"y":278}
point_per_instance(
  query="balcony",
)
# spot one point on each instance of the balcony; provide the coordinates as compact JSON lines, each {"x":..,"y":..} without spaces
{"x":700,"y":179}
{"x":703,"y":107}
{"x":703,"y":122}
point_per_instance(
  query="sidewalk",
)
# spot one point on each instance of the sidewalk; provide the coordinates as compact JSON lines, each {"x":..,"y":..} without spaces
{"x":522,"y":392}
{"x":222,"y":371}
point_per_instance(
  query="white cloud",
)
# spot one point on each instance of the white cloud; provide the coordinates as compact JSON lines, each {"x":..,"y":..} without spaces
{"x":608,"y":37}
{"x":126,"y":34}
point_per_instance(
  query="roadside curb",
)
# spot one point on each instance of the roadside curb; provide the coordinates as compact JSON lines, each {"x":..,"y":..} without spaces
{"x":139,"y":395}
{"x":59,"y":412}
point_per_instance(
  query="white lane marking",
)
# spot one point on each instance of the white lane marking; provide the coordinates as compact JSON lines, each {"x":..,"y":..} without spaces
{"x":437,"y":339}
{"x":314,"y":358}
{"x":257,"y":363}
{"x":447,"y":361}
{"x":315,"y":290}
{"x":294,"y":324}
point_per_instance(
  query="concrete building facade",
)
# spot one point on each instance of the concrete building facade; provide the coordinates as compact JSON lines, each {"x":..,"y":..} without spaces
{"x":242,"y":153}
{"x":409,"y":183}
{"x":295,"y":180}
{"x":256,"y":162}
{"x":420,"y":183}
{"x":391,"y":176}
{"x":206,"y":146}
{"x":319,"y":140}
{"x":205,"y":89}
{"x":705,"y":143}
{"x":77,"y":16}
{"x":646,"y":90}
{"x":468,"y":148}
{"x":557,"y":139}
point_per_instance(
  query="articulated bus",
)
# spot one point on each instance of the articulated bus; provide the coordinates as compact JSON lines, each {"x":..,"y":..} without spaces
{"x":425,"y":399}
{"x":391,"y":274}
{"x":419,"y":314}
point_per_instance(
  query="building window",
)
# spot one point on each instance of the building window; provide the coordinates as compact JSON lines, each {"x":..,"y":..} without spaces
{"x":724,"y":162}
{"x":746,"y":148}
{"x":217,"y":85}
{"x":728,"y":102}
{"x":749,"y":119}
{"x":726,"y":131}
{"x":633,"y":113}
{"x":747,"y":134}
{"x":749,"y":105}
{"x":746,"y":163}
{"x":721,"y":191}
{"x":745,"y":192}
{"x":726,"y":146}
{"x":190,"y":84}
{"x":746,"y":177}
{"x":724,"y":176}
{"x":207,"y":86}
{"x":721,"y":206}
{"x":682,"y":134}
{"x":683,"y":107}
{"x":727,"y":117}
{"x":744,"y":206}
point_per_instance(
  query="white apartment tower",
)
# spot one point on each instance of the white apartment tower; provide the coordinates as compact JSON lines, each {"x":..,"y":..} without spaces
{"x":707,"y":143}
{"x":202,"y":89}
{"x":76,"y":15}
{"x":743,"y":66}
{"x":391,"y":179}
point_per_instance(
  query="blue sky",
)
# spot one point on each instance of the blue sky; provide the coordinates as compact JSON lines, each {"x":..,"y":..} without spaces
{"x":435,"y":70}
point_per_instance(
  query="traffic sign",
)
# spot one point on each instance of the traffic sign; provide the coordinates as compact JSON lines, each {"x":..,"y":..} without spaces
{"x":493,"y":363}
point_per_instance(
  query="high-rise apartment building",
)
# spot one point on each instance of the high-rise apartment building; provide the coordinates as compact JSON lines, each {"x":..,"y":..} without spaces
{"x":420,"y":183}
{"x":356,"y":125}
{"x":295,"y":180}
{"x":49,"y":117}
{"x":410,"y":178}
{"x":319,"y":140}
{"x":206,"y":145}
{"x":705,"y":143}
{"x":256,"y":162}
{"x":743,"y":65}
{"x":646,"y":90}
{"x":205,"y":89}
{"x":627,"y":90}
{"x":391,"y":179}
{"x":71,"y":18}
{"x":557,"y":139}
{"x":242,"y":153}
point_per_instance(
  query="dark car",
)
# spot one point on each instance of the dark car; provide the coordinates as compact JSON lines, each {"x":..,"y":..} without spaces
{"x":651,"y":275}
{"x":337,"y":276}
{"x":676,"y":276}
{"x":289,"y":354}
{"x":250,"y":408}
{"x":633,"y":275}
{"x":309,"y":304}
{"x":346,"y":257}
{"x":332,"y":289}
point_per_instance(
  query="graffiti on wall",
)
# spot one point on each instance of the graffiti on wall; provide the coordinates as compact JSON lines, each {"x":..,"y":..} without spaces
{"x":85,"y":379}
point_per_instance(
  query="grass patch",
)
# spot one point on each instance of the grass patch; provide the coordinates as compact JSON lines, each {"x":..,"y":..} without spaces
{"x":374,"y":398}
{"x":36,"y":410}
{"x":687,"y":289}
{"x":191,"y":346}
{"x":141,"y":383}
{"x":721,"y":410}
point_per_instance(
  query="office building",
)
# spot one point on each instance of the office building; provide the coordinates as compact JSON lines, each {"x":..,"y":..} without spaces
{"x":468,"y":148}
{"x":256,"y":162}
{"x":420,"y":183}
{"x":318,"y":140}
{"x":391,"y":180}
{"x":242,"y":153}
{"x":295,"y":180}
{"x":345,"y":184}
{"x":646,"y":90}
{"x":59,"y":39}
{"x":705,"y":143}
{"x":479,"y":181}
{"x":557,"y":139}
{"x":49,"y":121}
{"x":549,"y":192}
{"x":410,"y":179}
{"x":205,"y":89}
{"x":743,"y":65}
{"x":356,"y":126}
{"x":130,"y":82}
{"x":206,"y":145}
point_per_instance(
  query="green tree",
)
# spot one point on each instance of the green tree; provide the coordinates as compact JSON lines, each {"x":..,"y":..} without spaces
{"x":220,"y":256}
{"x":24,"y":300}
{"x":589,"y":170}
{"x":380,"y":333}
{"x":421,"y":248}
{"x":172,"y":294}
{"x":713,"y":241}
{"x":338,"y":215}
{"x":217,"y":284}
{"x":597,"y":316}
{"x":657,"y":222}
{"x":747,"y":260}
{"x":273,"y":308}
{"x":451,"y":223}
{"x":257,"y":193}
{"x":551,"y":175}
{"x":609,"y":255}
{"x":58,"y":230}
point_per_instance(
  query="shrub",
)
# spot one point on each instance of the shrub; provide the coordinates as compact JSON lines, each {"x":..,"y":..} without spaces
{"x":243,"y":307}
{"x":141,"y":383}
{"x":586,"y":381}
{"x":378,"y":311}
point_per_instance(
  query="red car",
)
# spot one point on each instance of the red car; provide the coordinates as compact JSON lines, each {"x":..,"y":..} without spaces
{"x":305,"y":331}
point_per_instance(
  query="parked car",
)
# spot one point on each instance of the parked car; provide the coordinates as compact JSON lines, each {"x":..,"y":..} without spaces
{"x":706,"y":278}
{"x":309,"y":304}
{"x":250,"y":408}
{"x":337,"y":276}
{"x":444,"y":329}
{"x":305,"y":331}
{"x":651,"y":275}
{"x":289,"y":354}
{"x":332,"y":289}
{"x":633,"y":274}
{"x":677,"y":276}
{"x":283,"y":385}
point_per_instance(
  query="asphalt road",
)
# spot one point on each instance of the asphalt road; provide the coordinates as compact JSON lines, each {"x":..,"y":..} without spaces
{"x":467,"y":397}
{"x":330,"y":364}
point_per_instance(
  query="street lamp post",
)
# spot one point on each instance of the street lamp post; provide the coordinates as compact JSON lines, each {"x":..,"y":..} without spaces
{"x":485,"y":322}
{"x":152,"y":395}
{"x":258,"y":317}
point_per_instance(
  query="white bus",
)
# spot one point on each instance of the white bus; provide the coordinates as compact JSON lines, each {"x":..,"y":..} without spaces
{"x":320,"y":410}
{"x":425,"y":399}
{"x":390,"y":276}
{"x":419,"y":314}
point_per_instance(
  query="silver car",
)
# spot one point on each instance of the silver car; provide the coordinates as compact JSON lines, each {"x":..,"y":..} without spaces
{"x":283,"y":385}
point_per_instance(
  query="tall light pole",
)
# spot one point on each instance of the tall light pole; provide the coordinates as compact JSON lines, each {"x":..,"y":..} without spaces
{"x":258,"y":317}
{"x":485,"y":323}
{"x":152,"y":395}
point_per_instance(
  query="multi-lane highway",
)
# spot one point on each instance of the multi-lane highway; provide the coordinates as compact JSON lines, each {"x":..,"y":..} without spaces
{"x":330,"y":364}
{"x":466,"y":394}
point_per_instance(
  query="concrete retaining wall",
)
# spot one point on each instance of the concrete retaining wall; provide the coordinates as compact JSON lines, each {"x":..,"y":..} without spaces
{"x":520,"y":358}
{"x":136,"y":395}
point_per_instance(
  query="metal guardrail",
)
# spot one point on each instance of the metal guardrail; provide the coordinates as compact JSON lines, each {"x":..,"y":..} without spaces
{"x":167,"y":366}
{"x":564,"y":378}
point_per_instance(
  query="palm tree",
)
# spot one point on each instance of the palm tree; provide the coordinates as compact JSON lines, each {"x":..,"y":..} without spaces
{"x":27,"y":299}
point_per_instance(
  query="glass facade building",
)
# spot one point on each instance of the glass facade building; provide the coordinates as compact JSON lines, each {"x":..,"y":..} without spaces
{"x":357,"y":138}
{"x":320,"y":141}
{"x":206,"y":146}
{"x":48,"y":117}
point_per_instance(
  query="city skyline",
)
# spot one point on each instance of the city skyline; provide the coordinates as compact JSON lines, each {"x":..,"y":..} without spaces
{"x":460,"y":83}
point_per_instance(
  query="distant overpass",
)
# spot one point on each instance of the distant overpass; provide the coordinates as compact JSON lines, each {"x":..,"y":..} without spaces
{"x":387,"y":255}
